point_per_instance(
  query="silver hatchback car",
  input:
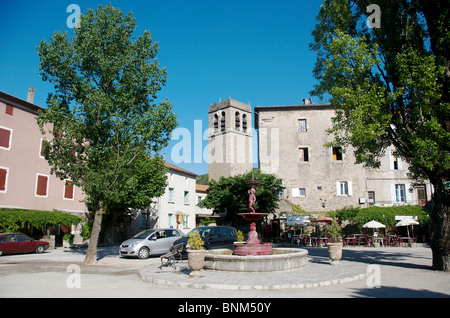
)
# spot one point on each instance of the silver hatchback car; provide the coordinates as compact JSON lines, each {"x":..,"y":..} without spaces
{"x":150,"y":242}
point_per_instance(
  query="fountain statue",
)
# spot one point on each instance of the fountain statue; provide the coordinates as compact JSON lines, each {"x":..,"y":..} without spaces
{"x":253,"y":246}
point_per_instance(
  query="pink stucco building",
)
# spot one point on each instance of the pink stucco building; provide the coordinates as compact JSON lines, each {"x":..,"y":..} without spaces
{"x":25,"y":179}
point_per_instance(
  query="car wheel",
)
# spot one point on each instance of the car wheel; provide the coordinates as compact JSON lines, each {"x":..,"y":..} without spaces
{"x":143,"y":253}
{"x":40,"y":249}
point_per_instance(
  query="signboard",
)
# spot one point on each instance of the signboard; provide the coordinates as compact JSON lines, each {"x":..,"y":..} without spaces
{"x":401,"y":217}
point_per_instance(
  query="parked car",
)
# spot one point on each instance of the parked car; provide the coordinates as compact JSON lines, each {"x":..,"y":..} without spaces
{"x":11,"y":243}
{"x":214,"y":237}
{"x":150,"y":242}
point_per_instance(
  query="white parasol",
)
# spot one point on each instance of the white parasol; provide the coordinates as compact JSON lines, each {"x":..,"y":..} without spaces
{"x":373,"y":225}
{"x":407,"y":222}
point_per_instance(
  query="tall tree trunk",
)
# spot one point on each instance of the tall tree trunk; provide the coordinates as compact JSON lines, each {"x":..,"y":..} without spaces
{"x":440,"y":238}
{"x":91,"y":254}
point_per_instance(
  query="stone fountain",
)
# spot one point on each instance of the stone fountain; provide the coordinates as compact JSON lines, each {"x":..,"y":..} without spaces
{"x":254,"y":256}
{"x":253,"y":246}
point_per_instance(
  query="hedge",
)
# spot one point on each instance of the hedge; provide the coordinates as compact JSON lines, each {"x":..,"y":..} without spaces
{"x":11,"y":220}
{"x":384,"y":215}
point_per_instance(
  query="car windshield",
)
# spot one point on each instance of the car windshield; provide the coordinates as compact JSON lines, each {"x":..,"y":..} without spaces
{"x":204,"y":232}
{"x":142,"y":235}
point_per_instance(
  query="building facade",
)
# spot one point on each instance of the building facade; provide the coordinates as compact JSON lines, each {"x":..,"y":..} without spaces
{"x":318,"y":178}
{"x":25,"y":179}
{"x":177,"y":207}
{"x":230,"y":139}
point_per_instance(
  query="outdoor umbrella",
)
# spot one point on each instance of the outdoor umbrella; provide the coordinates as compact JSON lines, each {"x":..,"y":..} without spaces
{"x":373,"y":225}
{"x":296,"y":223}
{"x":407,"y":223}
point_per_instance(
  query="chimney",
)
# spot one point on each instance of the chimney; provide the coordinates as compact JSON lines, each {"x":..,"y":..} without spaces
{"x":307,"y":101}
{"x":30,"y":97}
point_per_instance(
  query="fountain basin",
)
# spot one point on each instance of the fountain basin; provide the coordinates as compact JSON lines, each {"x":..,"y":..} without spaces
{"x":282,"y":259}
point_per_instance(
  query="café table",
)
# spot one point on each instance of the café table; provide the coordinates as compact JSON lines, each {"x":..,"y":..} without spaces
{"x":379,"y":240}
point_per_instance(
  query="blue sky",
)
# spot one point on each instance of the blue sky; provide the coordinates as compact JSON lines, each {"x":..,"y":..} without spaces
{"x":253,"y":51}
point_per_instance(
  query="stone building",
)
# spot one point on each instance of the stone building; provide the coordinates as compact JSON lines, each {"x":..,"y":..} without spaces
{"x":291,"y":145}
{"x":229,"y":139}
{"x":318,"y":178}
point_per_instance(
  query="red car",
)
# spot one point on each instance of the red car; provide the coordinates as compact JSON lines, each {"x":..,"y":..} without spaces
{"x":20,"y":243}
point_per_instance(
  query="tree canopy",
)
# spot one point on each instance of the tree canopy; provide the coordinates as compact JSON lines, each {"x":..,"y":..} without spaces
{"x":230,"y":195}
{"x":390,"y":86}
{"x":108,"y":127}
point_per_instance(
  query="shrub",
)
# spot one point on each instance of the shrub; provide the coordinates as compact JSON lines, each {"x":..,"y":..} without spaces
{"x":195,"y":242}
{"x":12,"y":220}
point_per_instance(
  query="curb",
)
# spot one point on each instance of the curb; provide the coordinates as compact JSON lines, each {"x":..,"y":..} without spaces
{"x":146,"y":275}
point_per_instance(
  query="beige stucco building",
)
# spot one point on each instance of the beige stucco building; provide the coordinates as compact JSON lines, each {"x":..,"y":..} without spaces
{"x":25,"y":179}
{"x":177,"y":207}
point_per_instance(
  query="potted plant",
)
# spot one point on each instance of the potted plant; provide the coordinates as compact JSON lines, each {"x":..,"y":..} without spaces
{"x":240,"y":238}
{"x":335,"y":244}
{"x":68,"y":239}
{"x":196,"y":254}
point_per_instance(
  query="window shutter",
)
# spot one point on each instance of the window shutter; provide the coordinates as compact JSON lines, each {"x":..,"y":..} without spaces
{"x":338,"y":188}
{"x":5,"y":135}
{"x":393,"y":195}
{"x":68,"y":189}
{"x":350,"y":191}
{"x":9,"y":110}
{"x":42,"y":185}
{"x":408,"y":194}
{"x":3,"y":173}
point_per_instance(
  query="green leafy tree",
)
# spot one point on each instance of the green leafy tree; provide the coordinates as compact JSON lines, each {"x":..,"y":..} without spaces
{"x":108,"y":128}
{"x":230,"y":195}
{"x":390,"y":86}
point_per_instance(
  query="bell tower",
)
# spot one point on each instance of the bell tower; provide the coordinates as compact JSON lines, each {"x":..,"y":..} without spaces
{"x":229,"y":139}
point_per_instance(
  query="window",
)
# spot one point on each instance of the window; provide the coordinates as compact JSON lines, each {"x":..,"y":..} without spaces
{"x":394,"y":162}
{"x":9,"y":110}
{"x":3,"y":179}
{"x":302,"y":125}
{"x":42,"y":185}
{"x":298,"y":192}
{"x":237,"y":121}
{"x":186,"y":197}
{"x":337,"y":153}
{"x":227,"y":232}
{"x":171,"y":195}
{"x":216,"y":123}
{"x":400,"y":193}
{"x":68,"y":189}
{"x":185,"y":221}
{"x":371,"y":197}
{"x":244,"y":123}
{"x":44,"y":145}
{"x":303,"y":154}
{"x":344,"y":188}
{"x":222,"y":122}
{"x":170,"y":220}
{"x":5,"y":138}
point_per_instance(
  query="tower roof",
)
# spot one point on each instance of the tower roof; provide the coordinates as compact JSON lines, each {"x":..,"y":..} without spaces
{"x":229,"y":103}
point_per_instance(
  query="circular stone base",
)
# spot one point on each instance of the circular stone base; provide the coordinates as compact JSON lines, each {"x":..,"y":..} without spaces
{"x":253,"y":249}
{"x":282,"y":259}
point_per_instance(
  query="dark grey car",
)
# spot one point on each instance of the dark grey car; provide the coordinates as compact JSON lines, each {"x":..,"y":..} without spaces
{"x":213,"y":237}
{"x":150,"y":242}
